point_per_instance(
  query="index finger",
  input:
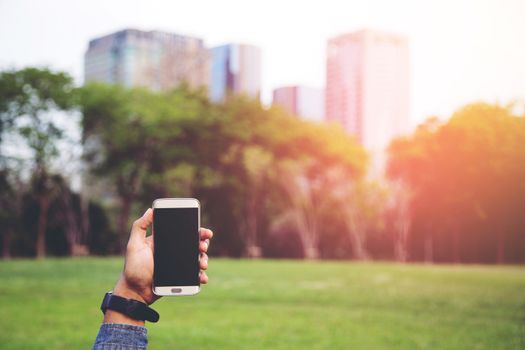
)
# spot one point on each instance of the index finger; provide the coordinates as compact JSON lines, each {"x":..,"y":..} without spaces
{"x":140,"y":226}
{"x":205,"y":233}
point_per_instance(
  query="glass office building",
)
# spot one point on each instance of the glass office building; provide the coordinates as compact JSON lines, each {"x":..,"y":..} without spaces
{"x":235,"y":69}
{"x":367,"y":89}
{"x":152,"y":59}
{"x":367,"y":86}
{"x":303,"y":101}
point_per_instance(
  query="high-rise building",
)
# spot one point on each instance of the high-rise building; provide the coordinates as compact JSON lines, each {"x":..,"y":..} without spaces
{"x":302,"y":101}
{"x":153,"y":59}
{"x":367,"y":86}
{"x":235,"y":68}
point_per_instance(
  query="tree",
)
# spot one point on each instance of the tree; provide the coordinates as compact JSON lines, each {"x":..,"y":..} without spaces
{"x":271,"y":165}
{"x":257,"y":163}
{"x":360,"y":204}
{"x":399,"y":206}
{"x":116,"y":141}
{"x":9,"y":209}
{"x":491,"y":167}
{"x":29,"y":98}
{"x":412,"y":161}
{"x":467,"y":178}
{"x":310,"y":156}
{"x":234,"y":156}
{"x":131,"y":136}
{"x":303,"y":200}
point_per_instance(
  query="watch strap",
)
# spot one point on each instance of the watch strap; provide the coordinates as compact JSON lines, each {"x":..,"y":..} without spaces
{"x":133,"y":308}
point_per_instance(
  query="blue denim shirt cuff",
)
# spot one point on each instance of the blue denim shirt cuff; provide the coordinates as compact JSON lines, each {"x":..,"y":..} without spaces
{"x":114,"y":336}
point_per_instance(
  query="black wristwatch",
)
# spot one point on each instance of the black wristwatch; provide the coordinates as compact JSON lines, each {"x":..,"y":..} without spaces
{"x":133,"y":308}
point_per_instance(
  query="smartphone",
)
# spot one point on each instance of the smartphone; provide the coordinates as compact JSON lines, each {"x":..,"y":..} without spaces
{"x":176,"y":223}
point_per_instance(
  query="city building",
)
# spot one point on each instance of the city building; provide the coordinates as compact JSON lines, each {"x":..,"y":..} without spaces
{"x":367,"y":86}
{"x":152,"y":59}
{"x":302,"y":101}
{"x":235,"y":69}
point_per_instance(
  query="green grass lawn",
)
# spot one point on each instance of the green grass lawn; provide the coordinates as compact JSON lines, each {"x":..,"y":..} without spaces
{"x":54,"y":304}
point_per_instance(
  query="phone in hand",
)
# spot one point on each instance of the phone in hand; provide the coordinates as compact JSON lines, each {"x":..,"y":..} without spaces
{"x":176,"y":223}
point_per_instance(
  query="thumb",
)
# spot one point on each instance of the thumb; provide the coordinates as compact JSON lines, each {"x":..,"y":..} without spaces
{"x":140,"y":226}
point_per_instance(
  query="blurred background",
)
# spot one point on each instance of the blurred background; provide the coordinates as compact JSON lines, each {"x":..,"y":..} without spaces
{"x":318,"y":130}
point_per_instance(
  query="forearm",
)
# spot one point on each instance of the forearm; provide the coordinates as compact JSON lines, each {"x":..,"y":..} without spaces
{"x":112,"y":316}
{"x":121,"y":332}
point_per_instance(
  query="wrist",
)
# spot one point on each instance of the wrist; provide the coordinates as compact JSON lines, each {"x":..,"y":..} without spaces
{"x":122,"y":289}
{"x":112,"y":316}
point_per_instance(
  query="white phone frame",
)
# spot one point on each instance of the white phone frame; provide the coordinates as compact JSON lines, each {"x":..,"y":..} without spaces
{"x":177,"y":203}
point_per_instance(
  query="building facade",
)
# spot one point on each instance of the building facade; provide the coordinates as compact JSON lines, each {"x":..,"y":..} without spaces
{"x":367,"y":86}
{"x":153,"y":59}
{"x":235,"y":69}
{"x":305,"y":102}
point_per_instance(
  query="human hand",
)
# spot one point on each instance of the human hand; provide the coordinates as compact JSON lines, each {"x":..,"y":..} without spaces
{"x":137,"y":278}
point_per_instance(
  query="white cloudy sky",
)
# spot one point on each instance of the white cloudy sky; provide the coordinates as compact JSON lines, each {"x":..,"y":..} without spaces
{"x":461,"y":51}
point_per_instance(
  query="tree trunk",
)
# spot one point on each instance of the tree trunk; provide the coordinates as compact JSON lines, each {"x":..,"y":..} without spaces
{"x":501,"y":247}
{"x":310,"y":247}
{"x":84,"y":219}
{"x":402,"y":211}
{"x":310,"y":250}
{"x":400,"y":249}
{"x":429,"y":249}
{"x":71,"y":225}
{"x":42,"y":225}
{"x":6,"y":241}
{"x":456,"y":246}
{"x":308,"y":235}
{"x":252,"y":250}
{"x":312,"y":253}
{"x":74,"y":233}
{"x":355,"y":235}
{"x":358,"y":249}
{"x":123,"y":228}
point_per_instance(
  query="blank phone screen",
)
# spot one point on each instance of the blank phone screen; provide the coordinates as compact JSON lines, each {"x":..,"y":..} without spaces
{"x":176,"y":254}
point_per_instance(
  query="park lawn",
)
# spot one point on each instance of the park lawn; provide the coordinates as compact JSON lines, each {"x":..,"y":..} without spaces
{"x":268,"y":304}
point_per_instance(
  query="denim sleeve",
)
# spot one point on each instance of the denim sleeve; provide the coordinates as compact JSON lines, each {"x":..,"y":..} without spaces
{"x":113,"y":336}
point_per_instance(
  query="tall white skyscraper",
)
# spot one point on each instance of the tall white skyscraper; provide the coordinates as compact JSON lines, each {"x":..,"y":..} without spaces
{"x":157,"y":60}
{"x":367,"y":86}
{"x":236,"y":69}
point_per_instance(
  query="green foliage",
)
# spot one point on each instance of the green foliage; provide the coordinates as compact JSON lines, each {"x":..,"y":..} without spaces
{"x":28,"y":99}
{"x":32,"y":92}
{"x":177,"y":143}
{"x":468,"y":176}
{"x":276,"y":305}
{"x":266,"y":178}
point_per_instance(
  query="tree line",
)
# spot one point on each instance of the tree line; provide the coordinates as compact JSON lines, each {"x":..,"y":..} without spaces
{"x":270,"y":184}
{"x":464,"y":180}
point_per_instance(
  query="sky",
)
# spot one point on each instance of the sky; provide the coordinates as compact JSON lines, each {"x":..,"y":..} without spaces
{"x":461,"y":51}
